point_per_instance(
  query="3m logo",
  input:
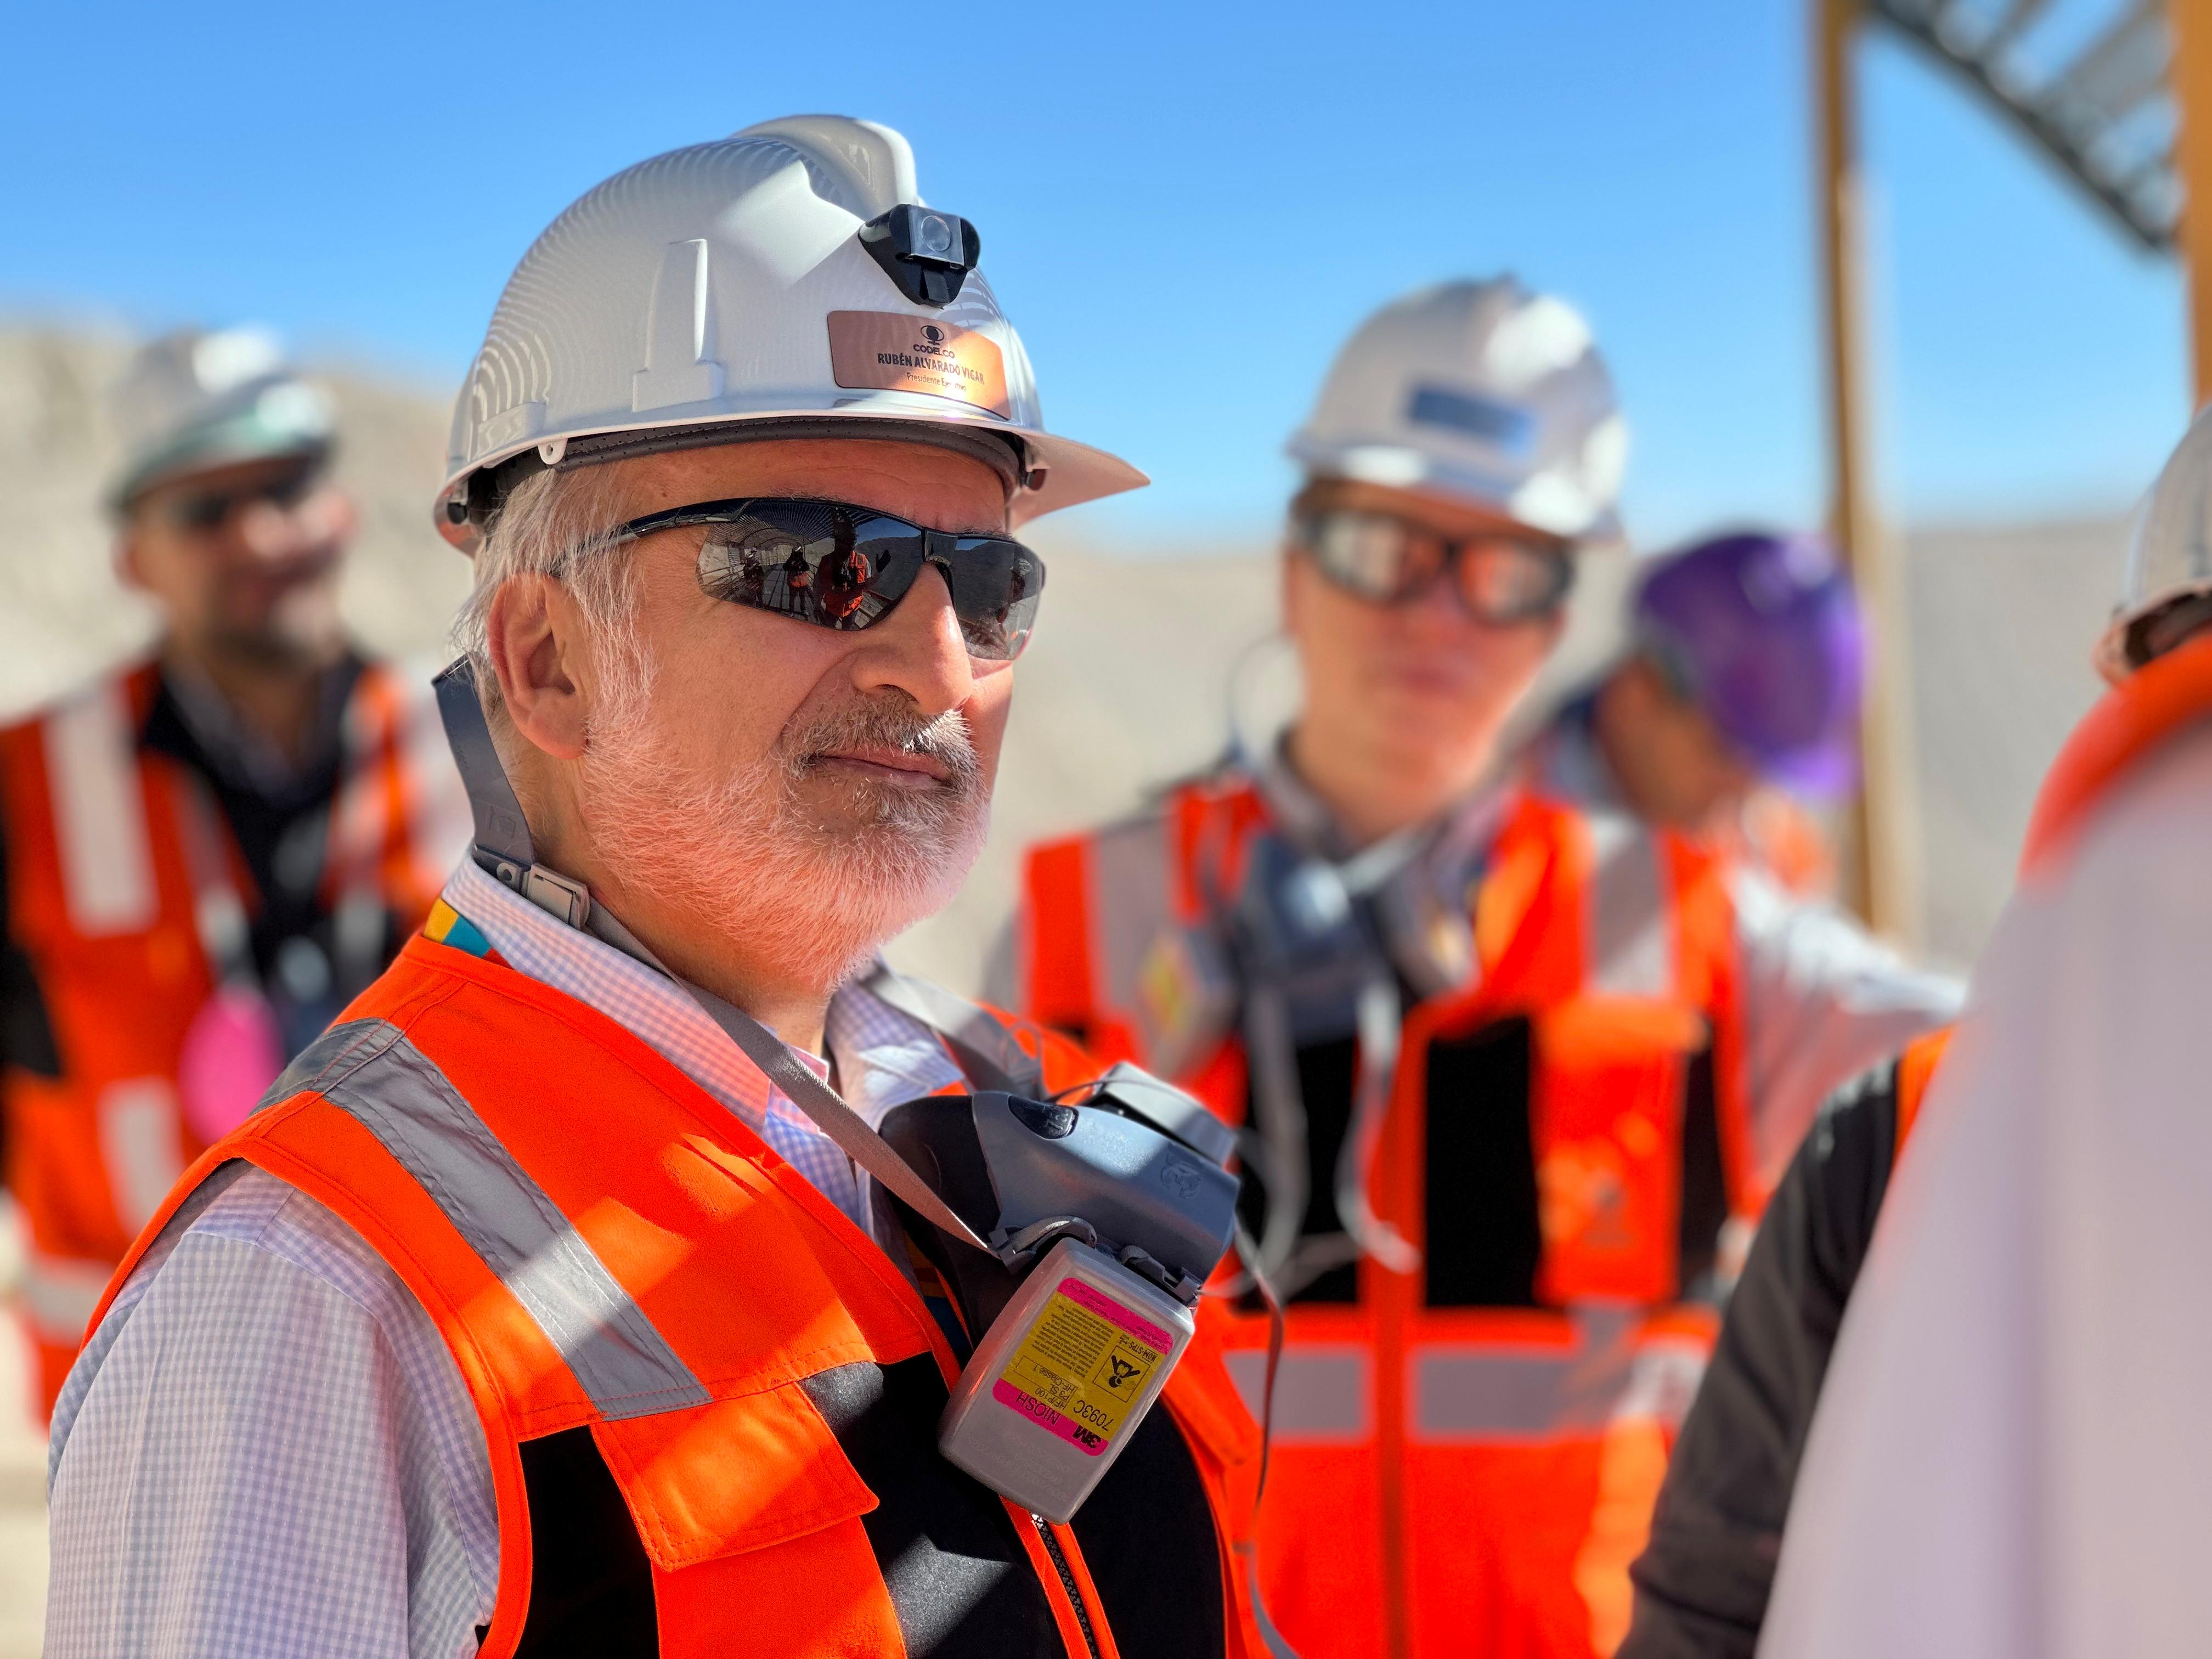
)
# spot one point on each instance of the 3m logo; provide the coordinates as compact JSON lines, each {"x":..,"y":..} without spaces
{"x":1181,"y":1179}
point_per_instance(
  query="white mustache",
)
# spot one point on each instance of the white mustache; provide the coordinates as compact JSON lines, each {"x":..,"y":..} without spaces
{"x":895,"y":724}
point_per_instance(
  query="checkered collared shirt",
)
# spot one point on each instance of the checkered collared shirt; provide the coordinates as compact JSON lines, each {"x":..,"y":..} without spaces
{"x":267,"y":1449}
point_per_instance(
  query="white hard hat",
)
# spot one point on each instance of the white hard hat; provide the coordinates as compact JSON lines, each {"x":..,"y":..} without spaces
{"x":195,"y":400}
{"x":1479,"y":389}
{"x":2169,"y":560}
{"x":765,"y":278}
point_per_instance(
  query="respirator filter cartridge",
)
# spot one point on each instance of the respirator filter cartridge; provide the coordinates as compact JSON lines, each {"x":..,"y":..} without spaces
{"x":1061,"y":1382}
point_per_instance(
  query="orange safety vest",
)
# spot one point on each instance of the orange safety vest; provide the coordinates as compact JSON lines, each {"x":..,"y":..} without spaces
{"x":1452,"y":1477}
{"x":105,"y":901}
{"x":667,"y":1332}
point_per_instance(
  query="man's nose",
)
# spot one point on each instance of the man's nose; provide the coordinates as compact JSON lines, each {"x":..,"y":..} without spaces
{"x":280,"y":532}
{"x":1437,"y":609}
{"x":919,"y":649}
{"x":270,"y":532}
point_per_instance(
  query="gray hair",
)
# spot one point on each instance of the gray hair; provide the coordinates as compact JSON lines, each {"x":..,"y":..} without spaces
{"x":560,"y":524}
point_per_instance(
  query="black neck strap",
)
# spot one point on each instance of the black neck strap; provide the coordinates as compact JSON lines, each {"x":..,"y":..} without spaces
{"x":502,"y":845}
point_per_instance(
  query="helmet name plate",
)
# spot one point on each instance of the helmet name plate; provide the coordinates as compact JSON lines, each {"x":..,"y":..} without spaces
{"x":891,"y":351}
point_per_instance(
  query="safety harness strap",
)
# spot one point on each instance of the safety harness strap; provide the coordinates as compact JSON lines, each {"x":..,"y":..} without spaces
{"x":987,"y":1051}
{"x":803,"y":1090}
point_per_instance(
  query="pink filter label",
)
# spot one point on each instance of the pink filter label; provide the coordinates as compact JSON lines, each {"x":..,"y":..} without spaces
{"x":1088,"y":1296}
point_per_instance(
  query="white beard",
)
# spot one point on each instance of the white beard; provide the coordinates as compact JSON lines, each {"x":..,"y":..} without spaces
{"x":814,"y":898}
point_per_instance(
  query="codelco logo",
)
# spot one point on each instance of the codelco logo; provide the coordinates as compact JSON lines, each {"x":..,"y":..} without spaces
{"x":894,"y":353}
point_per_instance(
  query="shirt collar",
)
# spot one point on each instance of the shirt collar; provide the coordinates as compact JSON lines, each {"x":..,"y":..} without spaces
{"x":1461,"y":833}
{"x":883,"y":1057}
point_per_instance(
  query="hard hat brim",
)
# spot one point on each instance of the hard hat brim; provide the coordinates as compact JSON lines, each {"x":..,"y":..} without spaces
{"x":232,"y":442}
{"x":1399,"y":467}
{"x":1073,"y":473}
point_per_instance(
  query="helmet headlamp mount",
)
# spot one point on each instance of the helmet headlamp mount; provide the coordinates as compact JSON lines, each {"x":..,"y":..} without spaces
{"x":927,"y":253}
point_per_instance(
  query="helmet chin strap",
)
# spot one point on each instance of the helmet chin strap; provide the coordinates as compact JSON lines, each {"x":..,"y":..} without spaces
{"x":501,"y":847}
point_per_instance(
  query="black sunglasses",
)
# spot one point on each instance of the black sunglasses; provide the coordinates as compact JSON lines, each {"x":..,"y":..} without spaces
{"x":844,"y":567}
{"x":201,"y":513}
{"x":1500,"y":578}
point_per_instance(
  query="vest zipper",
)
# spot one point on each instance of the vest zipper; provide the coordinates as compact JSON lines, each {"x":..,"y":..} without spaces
{"x":1068,"y":1582}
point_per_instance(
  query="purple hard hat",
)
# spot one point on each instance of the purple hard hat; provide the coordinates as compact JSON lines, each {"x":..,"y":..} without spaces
{"x":1763,"y":632}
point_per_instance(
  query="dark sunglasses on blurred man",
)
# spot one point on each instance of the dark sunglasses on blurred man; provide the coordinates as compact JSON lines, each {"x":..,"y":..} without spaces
{"x":202,"y":511}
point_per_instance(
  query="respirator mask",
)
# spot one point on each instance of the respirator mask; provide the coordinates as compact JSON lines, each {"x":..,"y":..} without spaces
{"x":1087,"y":1233}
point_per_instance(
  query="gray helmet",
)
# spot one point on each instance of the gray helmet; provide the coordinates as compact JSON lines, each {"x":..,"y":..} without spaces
{"x":195,"y":400}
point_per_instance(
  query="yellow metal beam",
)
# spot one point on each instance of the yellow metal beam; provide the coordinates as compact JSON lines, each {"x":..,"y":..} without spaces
{"x":1882,"y":870}
{"x":2191,"y":20}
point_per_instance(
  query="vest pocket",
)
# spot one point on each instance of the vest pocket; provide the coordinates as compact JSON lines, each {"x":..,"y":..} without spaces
{"x":817,"y":1519}
{"x":732,"y":1475}
{"x":1606,"y":1118}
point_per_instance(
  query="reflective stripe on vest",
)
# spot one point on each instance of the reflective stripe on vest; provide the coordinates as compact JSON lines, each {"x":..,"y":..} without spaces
{"x":142,"y":1145}
{"x":91,"y":752}
{"x":1324,"y":1391}
{"x":369,"y":1070}
{"x":1628,"y":932}
{"x":60,"y":1295}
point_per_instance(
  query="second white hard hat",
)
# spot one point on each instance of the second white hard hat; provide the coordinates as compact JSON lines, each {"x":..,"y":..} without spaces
{"x":1479,"y":390}
{"x":2169,"y":560}
{"x":198,"y":400}
{"x":771,"y":277}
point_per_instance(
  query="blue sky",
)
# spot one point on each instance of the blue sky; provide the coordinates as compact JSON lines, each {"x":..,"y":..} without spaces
{"x":1184,"y":208}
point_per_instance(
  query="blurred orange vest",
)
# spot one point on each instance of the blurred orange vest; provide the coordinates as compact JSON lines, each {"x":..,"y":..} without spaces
{"x":105,"y":901}
{"x":710,"y":1402}
{"x":1450,"y":1476}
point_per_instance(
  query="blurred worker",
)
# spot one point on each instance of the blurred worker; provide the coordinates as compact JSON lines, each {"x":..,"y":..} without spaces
{"x":210,"y":852}
{"x":554,"y":1304}
{"x":1739,"y":690}
{"x":1510,"y":1066}
{"x":1703,"y":1580}
{"x":2009,"y":1454}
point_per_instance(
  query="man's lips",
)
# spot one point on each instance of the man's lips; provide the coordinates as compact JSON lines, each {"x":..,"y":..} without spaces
{"x":896,"y":766}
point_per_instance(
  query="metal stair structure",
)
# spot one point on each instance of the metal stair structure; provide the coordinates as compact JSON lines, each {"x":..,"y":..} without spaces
{"x":2088,"y":84}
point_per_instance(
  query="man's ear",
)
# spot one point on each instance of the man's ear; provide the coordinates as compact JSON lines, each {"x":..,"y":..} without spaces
{"x":1289,"y":584}
{"x":536,"y":638}
{"x":127,"y":570}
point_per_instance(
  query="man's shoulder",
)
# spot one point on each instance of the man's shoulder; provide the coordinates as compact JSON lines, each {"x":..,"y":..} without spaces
{"x":266,"y":1213}
{"x":249,"y":1208}
{"x":250,"y":1252}
{"x":2147,"y":826}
